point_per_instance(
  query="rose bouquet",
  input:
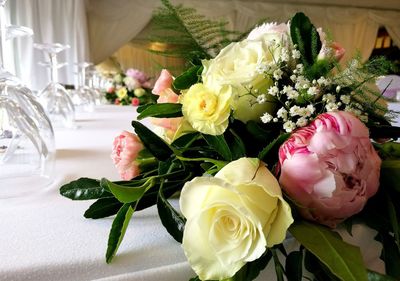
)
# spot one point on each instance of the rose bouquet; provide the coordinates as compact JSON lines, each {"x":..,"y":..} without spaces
{"x":268,"y":138}
{"x":130,"y":88}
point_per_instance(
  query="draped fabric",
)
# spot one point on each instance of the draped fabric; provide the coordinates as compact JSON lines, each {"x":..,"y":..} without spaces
{"x":354,"y":28}
{"x":52,"y":21}
{"x":104,"y":26}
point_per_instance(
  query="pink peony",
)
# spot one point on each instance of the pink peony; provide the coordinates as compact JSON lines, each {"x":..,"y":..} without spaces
{"x":163,"y":82}
{"x":138,"y":75}
{"x":126,"y":148}
{"x":135,"y":101}
{"x":330,"y":168}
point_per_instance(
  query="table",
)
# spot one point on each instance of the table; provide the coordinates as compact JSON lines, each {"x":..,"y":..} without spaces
{"x":44,"y":236}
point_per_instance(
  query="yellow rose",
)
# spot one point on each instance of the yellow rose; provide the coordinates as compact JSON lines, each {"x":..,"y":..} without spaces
{"x":237,"y":65}
{"x":232,"y":218}
{"x":122,"y":93}
{"x":206,"y":110}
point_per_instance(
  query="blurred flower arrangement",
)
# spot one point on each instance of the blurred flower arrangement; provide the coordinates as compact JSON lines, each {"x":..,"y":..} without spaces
{"x":264,"y":137}
{"x":130,"y":88}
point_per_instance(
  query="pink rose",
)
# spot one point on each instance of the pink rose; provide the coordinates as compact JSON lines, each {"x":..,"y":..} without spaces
{"x":117,"y":102}
{"x":138,"y":75}
{"x":126,"y":148}
{"x":110,"y":90}
{"x":330,"y":168}
{"x":135,"y":101}
{"x":338,"y":51}
{"x":163,"y":82}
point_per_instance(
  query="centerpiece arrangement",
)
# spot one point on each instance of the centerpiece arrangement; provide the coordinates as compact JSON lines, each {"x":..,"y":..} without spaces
{"x":132,"y":87}
{"x":262,"y":138}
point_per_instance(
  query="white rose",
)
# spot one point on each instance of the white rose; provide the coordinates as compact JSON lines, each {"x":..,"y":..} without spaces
{"x":269,"y":31}
{"x":237,"y":65}
{"x":232,"y":218}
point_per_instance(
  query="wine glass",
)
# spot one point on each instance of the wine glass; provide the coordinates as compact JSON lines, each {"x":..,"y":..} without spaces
{"x":54,"y":97}
{"x":27,"y":150}
{"x":82,"y":96}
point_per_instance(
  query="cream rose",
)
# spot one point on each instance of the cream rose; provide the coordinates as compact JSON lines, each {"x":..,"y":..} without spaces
{"x":237,"y":65}
{"x":232,"y":218}
{"x":206,"y":110}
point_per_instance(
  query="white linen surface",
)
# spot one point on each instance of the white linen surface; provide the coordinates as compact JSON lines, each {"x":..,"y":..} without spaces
{"x":44,"y":236}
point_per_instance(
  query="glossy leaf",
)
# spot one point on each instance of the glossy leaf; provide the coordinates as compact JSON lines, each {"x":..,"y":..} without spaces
{"x":172,"y":220}
{"x":187,"y":78}
{"x":294,"y":266}
{"x":102,"y":208}
{"x":161,"y":110}
{"x":236,"y":145}
{"x":84,"y":189}
{"x":390,"y":254}
{"x":251,"y":270}
{"x":273,"y":146}
{"x":219,"y":144}
{"x":125,"y":194}
{"x":342,"y":259}
{"x":305,"y":36}
{"x":390,"y":174}
{"x":152,"y":142}
{"x":118,"y":230}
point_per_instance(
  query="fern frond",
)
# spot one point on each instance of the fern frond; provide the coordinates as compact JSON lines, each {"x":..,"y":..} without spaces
{"x":360,"y":79}
{"x":194,"y":36}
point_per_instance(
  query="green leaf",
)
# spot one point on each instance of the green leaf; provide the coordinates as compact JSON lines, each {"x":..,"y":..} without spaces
{"x":172,"y":220}
{"x":185,"y":141}
{"x":390,"y":174}
{"x":393,"y":220}
{"x":127,"y":194}
{"x":294,"y":266}
{"x":150,"y":198}
{"x":236,"y":145}
{"x":102,"y":208}
{"x":251,"y":270}
{"x":152,"y":142}
{"x":161,"y":110}
{"x":273,"y":146}
{"x":375,"y":276}
{"x":219,"y":144}
{"x":318,"y":269}
{"x":342,"y":259}
{"x":117,"y":231}
{"x":187,"y":78}
{"x":305,"y":36}
{"x":390,"y":255}
{"x":84,"y":189}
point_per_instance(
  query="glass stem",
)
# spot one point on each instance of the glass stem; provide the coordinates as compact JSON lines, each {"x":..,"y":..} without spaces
{"x":53,"y":68}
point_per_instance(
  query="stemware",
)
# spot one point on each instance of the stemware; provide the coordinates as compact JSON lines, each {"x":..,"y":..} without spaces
{"x":82,"y":96}
{"x":54,"y":97}
{"x":27,"y":150}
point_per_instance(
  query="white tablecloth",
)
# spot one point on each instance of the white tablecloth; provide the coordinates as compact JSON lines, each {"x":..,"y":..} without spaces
{"x":44,"y":236}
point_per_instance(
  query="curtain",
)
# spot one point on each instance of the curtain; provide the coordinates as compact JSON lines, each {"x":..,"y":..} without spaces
{"x":52,"y":21}
{"x":354,"y":28}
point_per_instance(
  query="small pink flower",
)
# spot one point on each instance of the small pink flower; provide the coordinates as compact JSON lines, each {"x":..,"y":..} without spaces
{"x":329,"y":49}
{"x":138,"y":75}
{"x":135,"y":101}
{"x":117,"y":102}
{"x":162,"y":88}
{"x":338,"y":51}
{"x":163,"y":82}
{"x":110,"y":90}
{"x":126,"y":148}
{"x":330,"y":168}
